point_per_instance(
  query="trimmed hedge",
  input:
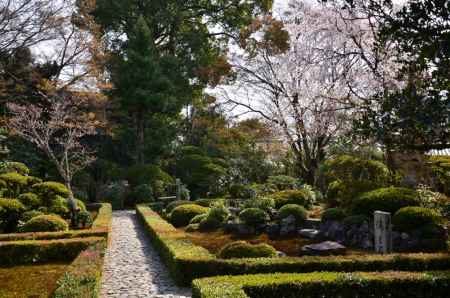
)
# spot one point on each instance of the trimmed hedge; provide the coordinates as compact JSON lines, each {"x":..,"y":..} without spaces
{"x":182,"y":215}
{"x":297,"y":211}
{"x":393,"y":284}
{"x":14,"y":253}
{"x":296,"y":196}
{"x":187,"y":261}
{"x":254,"y":216}
{"x":100,"y":228}
{"x":333,"y":214}
{"x":410,"y":218}
{"x":83,"y":277}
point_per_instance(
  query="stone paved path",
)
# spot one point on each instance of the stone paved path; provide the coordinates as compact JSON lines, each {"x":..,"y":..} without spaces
{"x":132,"y":267}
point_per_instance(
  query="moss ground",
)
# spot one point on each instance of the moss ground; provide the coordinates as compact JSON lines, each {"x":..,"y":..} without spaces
{"x":32,"y":281}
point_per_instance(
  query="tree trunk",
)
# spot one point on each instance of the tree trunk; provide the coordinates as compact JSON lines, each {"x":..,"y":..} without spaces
{"x":72,"y":204}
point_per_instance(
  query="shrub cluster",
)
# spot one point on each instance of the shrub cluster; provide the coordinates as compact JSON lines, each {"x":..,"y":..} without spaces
{"x":45,"y":223}
{"x":389,"y":199}
{"x":333,"y":214}
{"x":242,"y":249}
{"x":253,"y":216}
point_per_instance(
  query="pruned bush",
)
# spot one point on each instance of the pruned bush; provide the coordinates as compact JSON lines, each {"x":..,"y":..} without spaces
{"x":142,"y":193}
{"x":263,"y":203}
{"x":389,"y":199}
{"x":26,"y":216}
{"x":349,"y":176}
{"x":10,"y":213}
{"x":297,"y":211}
{"x":80,"y":204}
{"x":298,"y":197}
{"x":198,"y":218}
{"x":13,"y":166}
{"x":48,"y":191}
{"x":207,"y":202}
{"x":182,"y":215}
{"x":45,"y":223}
{"x":60,"y":207}
{"x":174,"y":204}
{"x":283,"y":182}
{"x":84,"y":219}
{"x":30,"y":200}
{"x":242,"y":249}
{"x":15,"y":183}
{"x":410,"y":218}
{"x":254,"y":216}
{"x":241,"y":191}
{"x":333,"y":214}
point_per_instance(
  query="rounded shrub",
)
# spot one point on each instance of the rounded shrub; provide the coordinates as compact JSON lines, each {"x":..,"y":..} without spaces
{"x":60,"y":207}
{"x":254,"y":216}
{"x":198,"y":218}
{"x":30,"y":200}
{"x":333,"y":214}
{"x":84,"y":219}
{"x":175,"y":204}
{"x":11,"y":211}
{"x":389,"y":199}
{"x":283,"y":182}
{"x":80,"y":204}
{"x":182,"y":215}
{"x":263,"y":203}
{"x":299,"y":212}
{"x":26,"y":216}
{"x":298,"y":197}
{"x":45,"y":223}
{"x":242,"y":249}
{"x":14,"y":166}
{"x":410,"y":218}
{"x":207,"y":202}
{"x":51,"y":189}
{"x":210,"y":223}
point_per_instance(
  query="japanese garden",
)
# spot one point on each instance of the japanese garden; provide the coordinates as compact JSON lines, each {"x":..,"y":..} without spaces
{"x":224,"y":148}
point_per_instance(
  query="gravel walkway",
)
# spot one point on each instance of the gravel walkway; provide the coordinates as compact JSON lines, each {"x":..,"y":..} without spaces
{"x":132,"y":267}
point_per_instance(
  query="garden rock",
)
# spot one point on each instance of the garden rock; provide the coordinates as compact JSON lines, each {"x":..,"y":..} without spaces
{"x":312,"y":223}
{"x":231,"y":227}
{"x":273,"y":231}
{"x":324,"y":249}
{"x":287,"y":226}
{"x":245,"y":230}
{"x":334,"y":230}
{"x":309,"y":233}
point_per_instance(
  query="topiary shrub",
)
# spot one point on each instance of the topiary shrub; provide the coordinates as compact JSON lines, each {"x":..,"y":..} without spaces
{"x":253,"y":216}
{"x":198,"y":218}
{"x":242,"y":249}
{"x":143,"y":193}
{"x":45,"y":223}
{"x":215,"y":218}
{"x":182,"y":215}
{"x":60,"y":207}
{"x":48,"y":191}
{"x":299,"y":212}
{"x":84,"y":219}
{"x":13,"y":166}
{"x":15,"y":183}
{"x":349,"y":176}
{"x":30,"y":200}
{"x":263,"y":203}
{"x":298,"y":197}
{"x":26,"y":216}
{"x":411,"y":218}
{"x":389,"y":199}
{"x":174,"y":204}
{"x":80,"y":204}
{"x":241,"y":191}
{"x":10,"y":213}
{"x":333,"y":214}
{"x":208,"y":202}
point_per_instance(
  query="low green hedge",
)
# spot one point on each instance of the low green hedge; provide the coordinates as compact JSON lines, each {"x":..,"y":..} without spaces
{"x":393,"y":284}
{"x":14,"y":253}
{"x":187,"y":261}
{"x":100,"y":228}
{"x":83,"y":277}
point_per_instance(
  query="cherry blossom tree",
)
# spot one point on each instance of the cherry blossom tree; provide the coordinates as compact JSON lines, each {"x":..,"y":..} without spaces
{"x":310,"y":88}
{"x":58,"y":131}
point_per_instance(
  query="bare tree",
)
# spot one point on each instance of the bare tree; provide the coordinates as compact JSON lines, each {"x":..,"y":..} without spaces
{"x":309,"y":89}
{"x":57,"y":131}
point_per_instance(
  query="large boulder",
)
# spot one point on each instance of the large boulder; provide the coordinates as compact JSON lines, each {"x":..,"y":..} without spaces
{"x":288,"y":226}
{"x":323,"y":249}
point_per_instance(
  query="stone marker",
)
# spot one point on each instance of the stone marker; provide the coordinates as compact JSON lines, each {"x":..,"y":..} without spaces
{"x":324,"y":249}
{"x":383,"y":232}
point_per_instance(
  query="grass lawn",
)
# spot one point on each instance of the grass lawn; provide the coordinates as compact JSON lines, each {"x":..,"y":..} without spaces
{"x":32,"y":281}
